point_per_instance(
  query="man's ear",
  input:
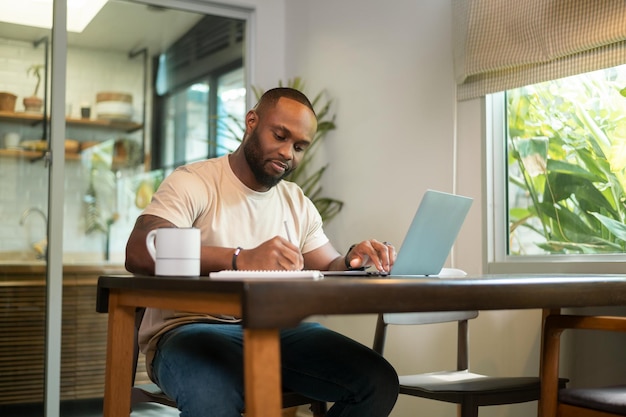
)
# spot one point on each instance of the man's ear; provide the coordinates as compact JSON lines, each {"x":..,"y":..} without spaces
{"x":252,"y":118}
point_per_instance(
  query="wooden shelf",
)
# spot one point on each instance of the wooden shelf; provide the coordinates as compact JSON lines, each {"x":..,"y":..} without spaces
{"x":125,"y":125}
{"x":34,"y":155}
{"x":30,"y":155}
{"x":34,"y":118}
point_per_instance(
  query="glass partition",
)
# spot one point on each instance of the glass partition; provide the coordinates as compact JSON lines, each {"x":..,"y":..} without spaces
{"x":110,"y":111}
{"x":23,"y":213}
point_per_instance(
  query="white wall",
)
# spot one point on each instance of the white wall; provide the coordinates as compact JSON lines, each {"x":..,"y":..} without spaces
{"x":394,"y":105}
{"x":389,"y":68}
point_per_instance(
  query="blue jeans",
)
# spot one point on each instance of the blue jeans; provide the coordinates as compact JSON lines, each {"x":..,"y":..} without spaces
{"x":200,"y":366}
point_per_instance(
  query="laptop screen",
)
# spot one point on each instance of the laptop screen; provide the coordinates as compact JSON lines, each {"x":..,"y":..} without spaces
{"x":432,"y":233}
{"x":429,"y":239}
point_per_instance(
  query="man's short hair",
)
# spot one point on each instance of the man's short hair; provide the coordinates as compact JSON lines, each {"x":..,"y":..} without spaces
{"x":270,"y":98}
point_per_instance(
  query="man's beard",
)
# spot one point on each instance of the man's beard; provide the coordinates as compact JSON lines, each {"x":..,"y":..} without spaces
{"x":254,"y":157}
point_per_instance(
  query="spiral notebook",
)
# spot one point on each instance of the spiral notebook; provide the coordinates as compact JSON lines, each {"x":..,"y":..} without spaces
{"x":237,"y":275}
{"x":429,"y":239}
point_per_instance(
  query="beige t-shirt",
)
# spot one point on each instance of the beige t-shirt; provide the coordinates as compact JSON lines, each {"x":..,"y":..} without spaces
{"x":209,"y":196}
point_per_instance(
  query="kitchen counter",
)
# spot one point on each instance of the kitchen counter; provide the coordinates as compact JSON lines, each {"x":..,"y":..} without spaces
{"x":23,"y":326}
{"x":39,"y":267}
{"x":19,"y":262}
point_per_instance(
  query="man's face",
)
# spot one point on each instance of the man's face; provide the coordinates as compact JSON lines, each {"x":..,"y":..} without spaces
{"x":254,"y":155}
{"x":277,"y":140}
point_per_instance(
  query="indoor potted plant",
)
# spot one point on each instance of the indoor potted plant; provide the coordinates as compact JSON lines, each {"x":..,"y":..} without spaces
{"x":7,"y":101}
{"x":34,"y":103}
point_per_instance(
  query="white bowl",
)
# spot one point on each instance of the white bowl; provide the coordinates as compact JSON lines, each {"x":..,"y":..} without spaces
{"x":114,"y":110}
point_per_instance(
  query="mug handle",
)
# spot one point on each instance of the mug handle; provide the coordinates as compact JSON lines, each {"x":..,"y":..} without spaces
{"x":150,"y":239}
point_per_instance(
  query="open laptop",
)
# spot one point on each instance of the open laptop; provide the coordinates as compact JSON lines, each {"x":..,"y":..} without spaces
{"x":430,"y":237}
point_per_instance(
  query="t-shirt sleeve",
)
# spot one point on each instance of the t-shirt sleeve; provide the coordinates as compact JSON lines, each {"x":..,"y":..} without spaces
{"x":178,"y":199}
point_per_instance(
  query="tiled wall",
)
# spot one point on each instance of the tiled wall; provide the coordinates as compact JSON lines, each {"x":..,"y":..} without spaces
{"x":24,"y":184}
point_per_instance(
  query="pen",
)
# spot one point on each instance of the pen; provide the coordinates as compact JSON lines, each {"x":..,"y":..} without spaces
{"x":288,"y":234}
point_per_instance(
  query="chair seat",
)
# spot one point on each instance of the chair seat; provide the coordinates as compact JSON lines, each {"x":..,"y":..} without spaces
{"x":150,"y":393}
{"x":462,"y":381}
{"x":459,"y":386}
{"x":609,"y":399}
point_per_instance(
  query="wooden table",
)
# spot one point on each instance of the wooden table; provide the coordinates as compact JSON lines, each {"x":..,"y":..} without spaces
{"x":268,"y":305}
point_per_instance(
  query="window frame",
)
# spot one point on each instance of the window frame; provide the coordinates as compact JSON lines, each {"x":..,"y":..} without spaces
{"x":496,"y":226}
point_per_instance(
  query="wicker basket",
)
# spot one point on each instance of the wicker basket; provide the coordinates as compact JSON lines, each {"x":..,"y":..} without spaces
{"x":114,"y":96}
{"x":114,"y":106}
{"x":7,"y":102}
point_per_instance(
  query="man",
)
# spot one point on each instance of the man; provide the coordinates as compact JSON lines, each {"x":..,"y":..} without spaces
{"x":242,"y":207}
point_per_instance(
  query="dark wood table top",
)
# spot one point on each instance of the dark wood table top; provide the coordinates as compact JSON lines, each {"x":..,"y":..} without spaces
{"x":279,"y":303}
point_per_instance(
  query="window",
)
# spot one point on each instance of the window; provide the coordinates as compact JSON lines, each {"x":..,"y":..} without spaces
{"x":558,"y":165}
{"x":189,"y":129}
{"x":199,"y":83}
{"x":185,"y":125}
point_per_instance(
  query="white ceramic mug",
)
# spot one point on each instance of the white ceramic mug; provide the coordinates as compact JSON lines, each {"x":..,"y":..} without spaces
{"x":176,"y":251}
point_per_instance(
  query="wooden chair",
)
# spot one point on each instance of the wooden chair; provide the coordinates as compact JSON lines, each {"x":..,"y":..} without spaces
{"x":577,"y":402}
{"x":151,"y":393}
{"x":460,"y":386}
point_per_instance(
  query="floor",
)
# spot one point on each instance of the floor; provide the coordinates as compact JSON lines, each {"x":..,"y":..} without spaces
{"x":88,"y":408}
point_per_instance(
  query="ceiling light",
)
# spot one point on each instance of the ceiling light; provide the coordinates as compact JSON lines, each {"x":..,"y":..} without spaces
{"x":39,"y":13}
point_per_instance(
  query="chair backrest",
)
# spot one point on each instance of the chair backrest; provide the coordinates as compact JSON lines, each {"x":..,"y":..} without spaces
{"x":461,"y":317}
{"x":436,"y":316}
{"x":139,"y":312}
{"x":428,"y":318}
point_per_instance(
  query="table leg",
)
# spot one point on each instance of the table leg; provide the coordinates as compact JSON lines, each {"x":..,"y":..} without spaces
{"x":119,"y":363}
{"x":262,"y":372}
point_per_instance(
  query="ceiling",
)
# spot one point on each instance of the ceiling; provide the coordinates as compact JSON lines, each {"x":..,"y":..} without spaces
{"x":120,"y":26}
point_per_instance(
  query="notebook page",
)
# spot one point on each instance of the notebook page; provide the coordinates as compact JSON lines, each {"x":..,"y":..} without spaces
{"x":235,"y":275}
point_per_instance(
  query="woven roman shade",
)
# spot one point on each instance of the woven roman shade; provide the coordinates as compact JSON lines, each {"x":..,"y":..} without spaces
{"x":502,"y":44}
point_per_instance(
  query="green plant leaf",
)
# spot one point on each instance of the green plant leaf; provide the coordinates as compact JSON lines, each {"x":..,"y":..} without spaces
{"x":615,"y":227}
